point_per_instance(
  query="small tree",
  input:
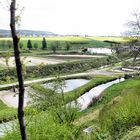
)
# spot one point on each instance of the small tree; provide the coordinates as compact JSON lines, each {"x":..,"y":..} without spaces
{"x":57,"y":44}
{"x":21,"y":45}
{"x":35,"y":45}
{"x":9,"y":44}
{"x":6,"y":57}
{"x":44,"y":43}
{"x":134,"y":36}
{"x":29,"y":44}
{"x":53,"y":47}
{"x":3,"y":44}
{"x":134,"y":24}
{"x":68,"y":45}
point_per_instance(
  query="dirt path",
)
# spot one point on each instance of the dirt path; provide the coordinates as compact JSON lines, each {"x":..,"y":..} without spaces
{"x":10,"y":98}
{"x":89,"y":72}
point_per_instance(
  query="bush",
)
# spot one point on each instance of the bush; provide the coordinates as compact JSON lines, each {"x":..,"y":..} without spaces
{"x":43,"y":127}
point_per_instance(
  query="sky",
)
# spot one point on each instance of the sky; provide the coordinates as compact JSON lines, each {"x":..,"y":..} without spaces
{"x":90,"y":17}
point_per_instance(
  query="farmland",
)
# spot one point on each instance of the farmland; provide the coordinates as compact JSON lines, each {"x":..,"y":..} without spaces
{"x":76,"y":42}
{"x":46,"y":108}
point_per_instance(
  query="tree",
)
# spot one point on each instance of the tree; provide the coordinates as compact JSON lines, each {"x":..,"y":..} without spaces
{"x":134,"y":35}
{"x":68,"y":45}
{"x":21,"y":45}
{"x":44,"y":43}
{"x":18,"y":69}
{"x":57,"y":44}
{"x":6,"y":57}
{"x":135,"y":49}
{"x":3,"y":44}
{"x":9,"y":44}
{"x":134,"y":24}
{"x":29,"y":44}
{"x":54,"y":46}
{"x":35,"y":45}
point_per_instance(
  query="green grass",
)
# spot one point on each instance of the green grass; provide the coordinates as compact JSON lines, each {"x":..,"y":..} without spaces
{"x":120,"y":114}
{"x":132,"y":134}
{"x":44,"y":127}
{"x":77,"y":42}
{"x":99,"y":38}
{"x":6,"y":113}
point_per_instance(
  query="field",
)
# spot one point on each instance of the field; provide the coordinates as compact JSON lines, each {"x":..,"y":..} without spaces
{"x":76,"y":42}
{"x":31,"y":61}
{"x":45,"y":59}
{"x":112,"y":115}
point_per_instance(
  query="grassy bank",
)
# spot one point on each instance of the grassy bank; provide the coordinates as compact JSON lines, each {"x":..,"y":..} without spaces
{"x":6,"y":113}
{"x":119,"y":112}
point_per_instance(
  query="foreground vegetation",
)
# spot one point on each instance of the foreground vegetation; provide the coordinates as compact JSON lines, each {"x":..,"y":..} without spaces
{"x":6,"y":113}
{"x":53,"y":101}
{"x":119,"y":113}
{"x":118,"y":118}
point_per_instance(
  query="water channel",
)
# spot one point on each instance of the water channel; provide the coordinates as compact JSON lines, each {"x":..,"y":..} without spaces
{"x":83,"y":101}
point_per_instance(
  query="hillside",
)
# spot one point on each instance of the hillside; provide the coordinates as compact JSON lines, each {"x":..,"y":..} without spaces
{"x":7,"y":33}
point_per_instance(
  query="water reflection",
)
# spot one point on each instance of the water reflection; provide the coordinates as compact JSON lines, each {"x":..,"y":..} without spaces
{"x":68,"y":85}
{"x":100,"y":50}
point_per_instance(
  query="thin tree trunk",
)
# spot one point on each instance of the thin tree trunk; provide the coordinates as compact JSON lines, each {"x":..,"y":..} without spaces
{"x":19,"y":70}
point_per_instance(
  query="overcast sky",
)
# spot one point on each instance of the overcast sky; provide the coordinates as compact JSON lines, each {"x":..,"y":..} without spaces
{"x":93,"y":17}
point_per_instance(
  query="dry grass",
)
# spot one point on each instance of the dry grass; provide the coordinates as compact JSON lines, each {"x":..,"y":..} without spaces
{"x":88,"y":117}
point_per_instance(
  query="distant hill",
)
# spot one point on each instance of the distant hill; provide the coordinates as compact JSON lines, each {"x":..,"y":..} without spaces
{"x":7,"y":33}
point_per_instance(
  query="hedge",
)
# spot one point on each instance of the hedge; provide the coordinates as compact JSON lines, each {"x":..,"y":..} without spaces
{"x":63,"y":68}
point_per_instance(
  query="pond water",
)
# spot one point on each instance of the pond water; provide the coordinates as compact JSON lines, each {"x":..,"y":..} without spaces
{"x":68,"y":85}
{"x":100,"y":50}
{"x":85,"y":100}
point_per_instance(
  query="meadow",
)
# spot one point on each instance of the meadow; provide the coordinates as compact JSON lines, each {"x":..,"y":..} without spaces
{"x":114,"y":115}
